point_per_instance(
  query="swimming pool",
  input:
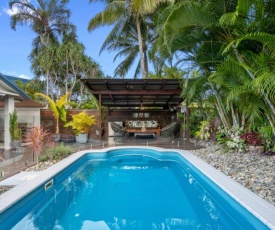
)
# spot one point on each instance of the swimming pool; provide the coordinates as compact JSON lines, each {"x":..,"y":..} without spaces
{"x":132,"y":188}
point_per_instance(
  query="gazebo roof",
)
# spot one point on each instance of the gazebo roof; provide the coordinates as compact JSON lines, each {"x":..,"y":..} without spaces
{"x":163,"y":93}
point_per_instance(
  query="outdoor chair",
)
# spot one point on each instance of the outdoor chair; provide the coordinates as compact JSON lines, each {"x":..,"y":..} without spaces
{"x":171,"y":130}
{"x":118,"y":129}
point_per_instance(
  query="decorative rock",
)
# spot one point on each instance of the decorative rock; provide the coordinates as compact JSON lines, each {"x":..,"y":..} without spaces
{"x":254,"y":171}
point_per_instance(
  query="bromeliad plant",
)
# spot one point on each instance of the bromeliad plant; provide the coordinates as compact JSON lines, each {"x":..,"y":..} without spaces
{"x":252,"y":139}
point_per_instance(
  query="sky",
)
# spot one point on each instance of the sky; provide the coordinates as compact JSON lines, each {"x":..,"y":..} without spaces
{"x":16,"y":45}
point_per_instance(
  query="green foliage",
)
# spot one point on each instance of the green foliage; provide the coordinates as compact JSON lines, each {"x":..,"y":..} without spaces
{"x":58,"y":107}
{"x":268,"y":136}
{"x":131,"y":35}
{"x":81,"y":122}
{"x":204,"y":132}
{"x":230,"y":139}
{"x":56,"y":153}
{"x":15,"y":131}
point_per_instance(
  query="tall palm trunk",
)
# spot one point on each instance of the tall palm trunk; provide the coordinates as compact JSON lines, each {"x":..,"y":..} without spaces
{"x":140,"y":44}
{"x":220,"y":108}
{"x":234,"y":116}
{"x":47,"y":86}
{"x":57,"y":126}
{"x":145,"y":61}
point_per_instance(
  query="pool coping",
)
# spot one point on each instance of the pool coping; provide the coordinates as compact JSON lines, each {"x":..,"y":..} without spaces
{"x":260,"y":208}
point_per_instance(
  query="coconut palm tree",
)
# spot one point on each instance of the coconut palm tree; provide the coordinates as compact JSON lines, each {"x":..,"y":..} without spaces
{"x":124,"y":39}
{"x":47,"y":18}
{"x":124,"y":12}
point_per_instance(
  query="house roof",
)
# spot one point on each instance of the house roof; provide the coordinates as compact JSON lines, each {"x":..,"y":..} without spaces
{"x":9,"y":88}
{"x":162,"y":93}
{"x":25,"y":104}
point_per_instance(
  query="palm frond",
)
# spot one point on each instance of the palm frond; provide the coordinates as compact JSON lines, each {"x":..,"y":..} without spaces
{"x":111,"y":14}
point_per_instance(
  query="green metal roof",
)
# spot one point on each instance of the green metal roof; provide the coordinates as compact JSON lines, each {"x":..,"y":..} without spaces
{"x":8,"y":87}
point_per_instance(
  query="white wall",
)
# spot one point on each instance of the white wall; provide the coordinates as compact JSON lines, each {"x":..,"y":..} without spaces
{"x":31,"y":116}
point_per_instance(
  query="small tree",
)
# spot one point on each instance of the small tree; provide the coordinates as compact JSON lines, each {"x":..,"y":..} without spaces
{"x":58,"y":108}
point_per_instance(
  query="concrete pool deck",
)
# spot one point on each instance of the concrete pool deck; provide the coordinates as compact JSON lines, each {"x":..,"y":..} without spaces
{"x":19,"y":178}
{"x":253,"y":203}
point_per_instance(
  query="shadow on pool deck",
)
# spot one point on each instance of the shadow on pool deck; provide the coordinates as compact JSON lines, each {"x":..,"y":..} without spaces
{"x":16,"y":161}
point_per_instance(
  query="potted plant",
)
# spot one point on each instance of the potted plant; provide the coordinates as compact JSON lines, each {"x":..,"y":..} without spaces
{"x":15,"y":131}
{"x":253,"y":141}
{"x":81,"y":123}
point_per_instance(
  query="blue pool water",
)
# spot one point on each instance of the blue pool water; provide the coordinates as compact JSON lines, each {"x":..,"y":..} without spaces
{"x":129,"y":189}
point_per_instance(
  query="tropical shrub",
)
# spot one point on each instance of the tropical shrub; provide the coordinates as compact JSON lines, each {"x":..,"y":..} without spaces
{"x":58,"y":107}
{"x":15,"y":131}
{"x":81,"y":122}
{"x":252,"y":138}
{"x":205,"y":131}
{"x":230,"y":139}
{"x":56,"y":152}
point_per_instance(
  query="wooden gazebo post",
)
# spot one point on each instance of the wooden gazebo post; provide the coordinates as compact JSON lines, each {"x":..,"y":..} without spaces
{"x":99,"y":117}
{"x":187,"y":131}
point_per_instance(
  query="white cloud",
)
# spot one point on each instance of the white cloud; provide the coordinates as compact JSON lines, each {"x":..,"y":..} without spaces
{"x":24,"y":76}
{"x":9,"y":73}
{"x":12,"y":11}
{"x":15,"y":74}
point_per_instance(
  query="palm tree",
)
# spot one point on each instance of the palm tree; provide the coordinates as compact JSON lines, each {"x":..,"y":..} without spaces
{"x":251,"y":44}
{"x":28,"y":87}
{"x":122,"y":13}
{"x":48,"y":19}
{"x":238,"y":29}
{"x":124,"y":39}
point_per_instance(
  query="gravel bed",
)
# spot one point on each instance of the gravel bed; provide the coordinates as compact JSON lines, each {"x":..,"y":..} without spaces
{"x":254,"y":171}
